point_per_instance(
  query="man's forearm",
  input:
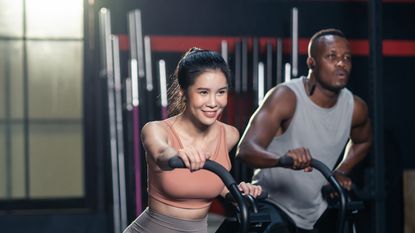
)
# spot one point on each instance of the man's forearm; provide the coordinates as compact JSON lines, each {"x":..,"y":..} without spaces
{"x":256,"y":157}
{"x":354,"y":153}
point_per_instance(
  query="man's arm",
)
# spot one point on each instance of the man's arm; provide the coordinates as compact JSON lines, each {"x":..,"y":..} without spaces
{"x":360,"y":138}
{"x":277,"y":107}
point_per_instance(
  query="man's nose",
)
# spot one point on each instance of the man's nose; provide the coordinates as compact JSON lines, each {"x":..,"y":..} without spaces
{"x":340,"y":62}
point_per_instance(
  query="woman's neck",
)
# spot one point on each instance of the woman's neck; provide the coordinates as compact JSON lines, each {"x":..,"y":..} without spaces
{"x":192,"y":127}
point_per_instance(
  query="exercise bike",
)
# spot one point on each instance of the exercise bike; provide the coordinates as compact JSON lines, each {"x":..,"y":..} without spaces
{"x":250,"y":220}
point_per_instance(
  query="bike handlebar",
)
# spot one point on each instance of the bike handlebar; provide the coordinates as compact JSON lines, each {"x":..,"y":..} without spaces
{"x":228,"y":180}
{"x":287,"y":162}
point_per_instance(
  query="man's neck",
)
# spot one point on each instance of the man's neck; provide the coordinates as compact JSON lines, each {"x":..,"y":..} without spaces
{"x":320,"y":95}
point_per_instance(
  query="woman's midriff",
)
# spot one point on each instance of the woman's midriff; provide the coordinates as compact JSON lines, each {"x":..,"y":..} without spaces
{"x":175,"y":212}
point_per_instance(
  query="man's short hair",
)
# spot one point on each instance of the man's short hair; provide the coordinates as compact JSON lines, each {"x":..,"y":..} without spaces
{"x":314,"y":39}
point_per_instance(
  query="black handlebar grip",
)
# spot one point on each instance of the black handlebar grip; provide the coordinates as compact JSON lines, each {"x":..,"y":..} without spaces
{"x":285,"y":161}
{"x":263,"y":195}
{"x":176,"y":162}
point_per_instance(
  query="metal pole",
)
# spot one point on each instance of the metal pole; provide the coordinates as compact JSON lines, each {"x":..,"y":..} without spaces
{"x":224,"y":50}
{"x":163,"y":88}
{"x":268,"y":69}
{"x":294,"y":37}
{"x":244,"y":66}
{"x":255,"y":60}
{"x":136,"y":72}
{"x":119,"y":130}
{"x":149,"y":72}
{"x":279,"y":60}
{"x":107,"y":72}
{"x":376,"y":84}
{"x":7,"y":126}
{"x":261,"y":82}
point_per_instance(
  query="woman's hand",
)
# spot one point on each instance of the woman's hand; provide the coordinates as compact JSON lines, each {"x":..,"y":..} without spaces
{"x":193,"y":158}
{"x":248,"y":188}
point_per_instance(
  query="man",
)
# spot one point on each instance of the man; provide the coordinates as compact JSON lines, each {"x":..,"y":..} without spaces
{"x":313,"y":116}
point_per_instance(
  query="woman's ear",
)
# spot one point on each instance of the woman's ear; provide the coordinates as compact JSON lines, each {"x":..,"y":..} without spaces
{"x":182,"y":96}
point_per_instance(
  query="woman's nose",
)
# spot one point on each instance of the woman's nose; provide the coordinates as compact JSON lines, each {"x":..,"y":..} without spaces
{"x":212,"y":102}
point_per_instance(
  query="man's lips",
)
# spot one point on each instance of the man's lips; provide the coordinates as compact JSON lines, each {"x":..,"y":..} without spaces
{"x":342,"y":73}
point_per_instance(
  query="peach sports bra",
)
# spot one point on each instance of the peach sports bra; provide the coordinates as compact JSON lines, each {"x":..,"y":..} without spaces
{"x":182,"y":188}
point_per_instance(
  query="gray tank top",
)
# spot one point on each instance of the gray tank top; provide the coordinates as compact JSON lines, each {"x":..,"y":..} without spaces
{"x":324,"y":131}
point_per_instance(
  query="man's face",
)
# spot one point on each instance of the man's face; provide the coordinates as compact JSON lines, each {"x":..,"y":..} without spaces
{"x":333,"y":62}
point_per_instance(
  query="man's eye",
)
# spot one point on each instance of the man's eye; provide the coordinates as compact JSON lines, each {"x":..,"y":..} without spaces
{"x":332,"y":56}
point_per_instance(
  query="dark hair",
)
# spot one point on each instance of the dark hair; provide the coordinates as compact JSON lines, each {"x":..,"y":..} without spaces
{"x":312,"y":45}
{"x":193,"y":63}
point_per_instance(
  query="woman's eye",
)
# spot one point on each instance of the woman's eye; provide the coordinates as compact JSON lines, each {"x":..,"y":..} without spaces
{"x":203,"y":92}
{"x":222,"y":92}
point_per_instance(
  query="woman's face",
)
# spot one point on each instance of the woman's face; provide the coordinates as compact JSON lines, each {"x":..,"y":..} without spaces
{"x":207,"y":97}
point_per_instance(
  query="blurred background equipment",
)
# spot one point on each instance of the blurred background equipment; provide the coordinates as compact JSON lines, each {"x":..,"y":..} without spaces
{"x":79,"y":78}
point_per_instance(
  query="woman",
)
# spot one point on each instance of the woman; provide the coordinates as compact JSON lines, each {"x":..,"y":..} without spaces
{"x":179,"y":200}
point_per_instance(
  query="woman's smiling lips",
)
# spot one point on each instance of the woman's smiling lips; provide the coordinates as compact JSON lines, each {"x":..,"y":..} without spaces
{"x":210,"y":114}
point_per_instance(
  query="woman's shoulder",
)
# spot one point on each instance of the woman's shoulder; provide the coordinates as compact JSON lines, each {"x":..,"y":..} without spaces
{"x":231,"y":133}
{"x":228,"y":128}
{"x":152,"y":124}
{"x":154,"y":127}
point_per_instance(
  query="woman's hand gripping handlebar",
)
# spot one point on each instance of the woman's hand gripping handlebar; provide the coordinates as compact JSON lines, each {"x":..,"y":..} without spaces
{"x":228,"y":180}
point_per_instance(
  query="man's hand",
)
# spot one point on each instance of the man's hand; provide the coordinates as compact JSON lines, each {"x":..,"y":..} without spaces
{"x":301,"y":158}
{"x":343,"y":179}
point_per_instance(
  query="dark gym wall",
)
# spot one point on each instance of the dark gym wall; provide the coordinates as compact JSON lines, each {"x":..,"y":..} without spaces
{"x":271,"y":18}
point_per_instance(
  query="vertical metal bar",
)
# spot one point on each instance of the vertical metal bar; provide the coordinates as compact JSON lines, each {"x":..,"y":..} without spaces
{"x":287,"y":70}
{"x":261,"y":83}
{"x":244,"y":66}
{"x":294,"y":37}
{"x":224,"y":50}
{"x":268,"y":72}
{"x":237,"y":112}
{"x":107,"y":69}
{"x":149,"y":70}
{"x":255,"y":60}
{"x":163,"y":88}
{"x":136,"y":40}
{"x":279,"y":60}
{"x":376,"y":82}
{"x":128,"y":94}
{"x":119,"y":131}
{"x":26,"y":106}
{"x":136,"y":72}
{"x":244,"y":103}
{"x":7,"y":127}
{"x":134,"y":83}
{"x":149,"y":97}
{"x":237,"y":71}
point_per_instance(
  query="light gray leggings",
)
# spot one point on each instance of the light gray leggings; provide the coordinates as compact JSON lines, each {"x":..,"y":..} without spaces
{"x":152,"y":222}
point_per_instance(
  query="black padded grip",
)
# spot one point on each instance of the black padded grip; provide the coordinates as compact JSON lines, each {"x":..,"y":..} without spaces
{"x":285,"y":161}
{"x":176,"y":162}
